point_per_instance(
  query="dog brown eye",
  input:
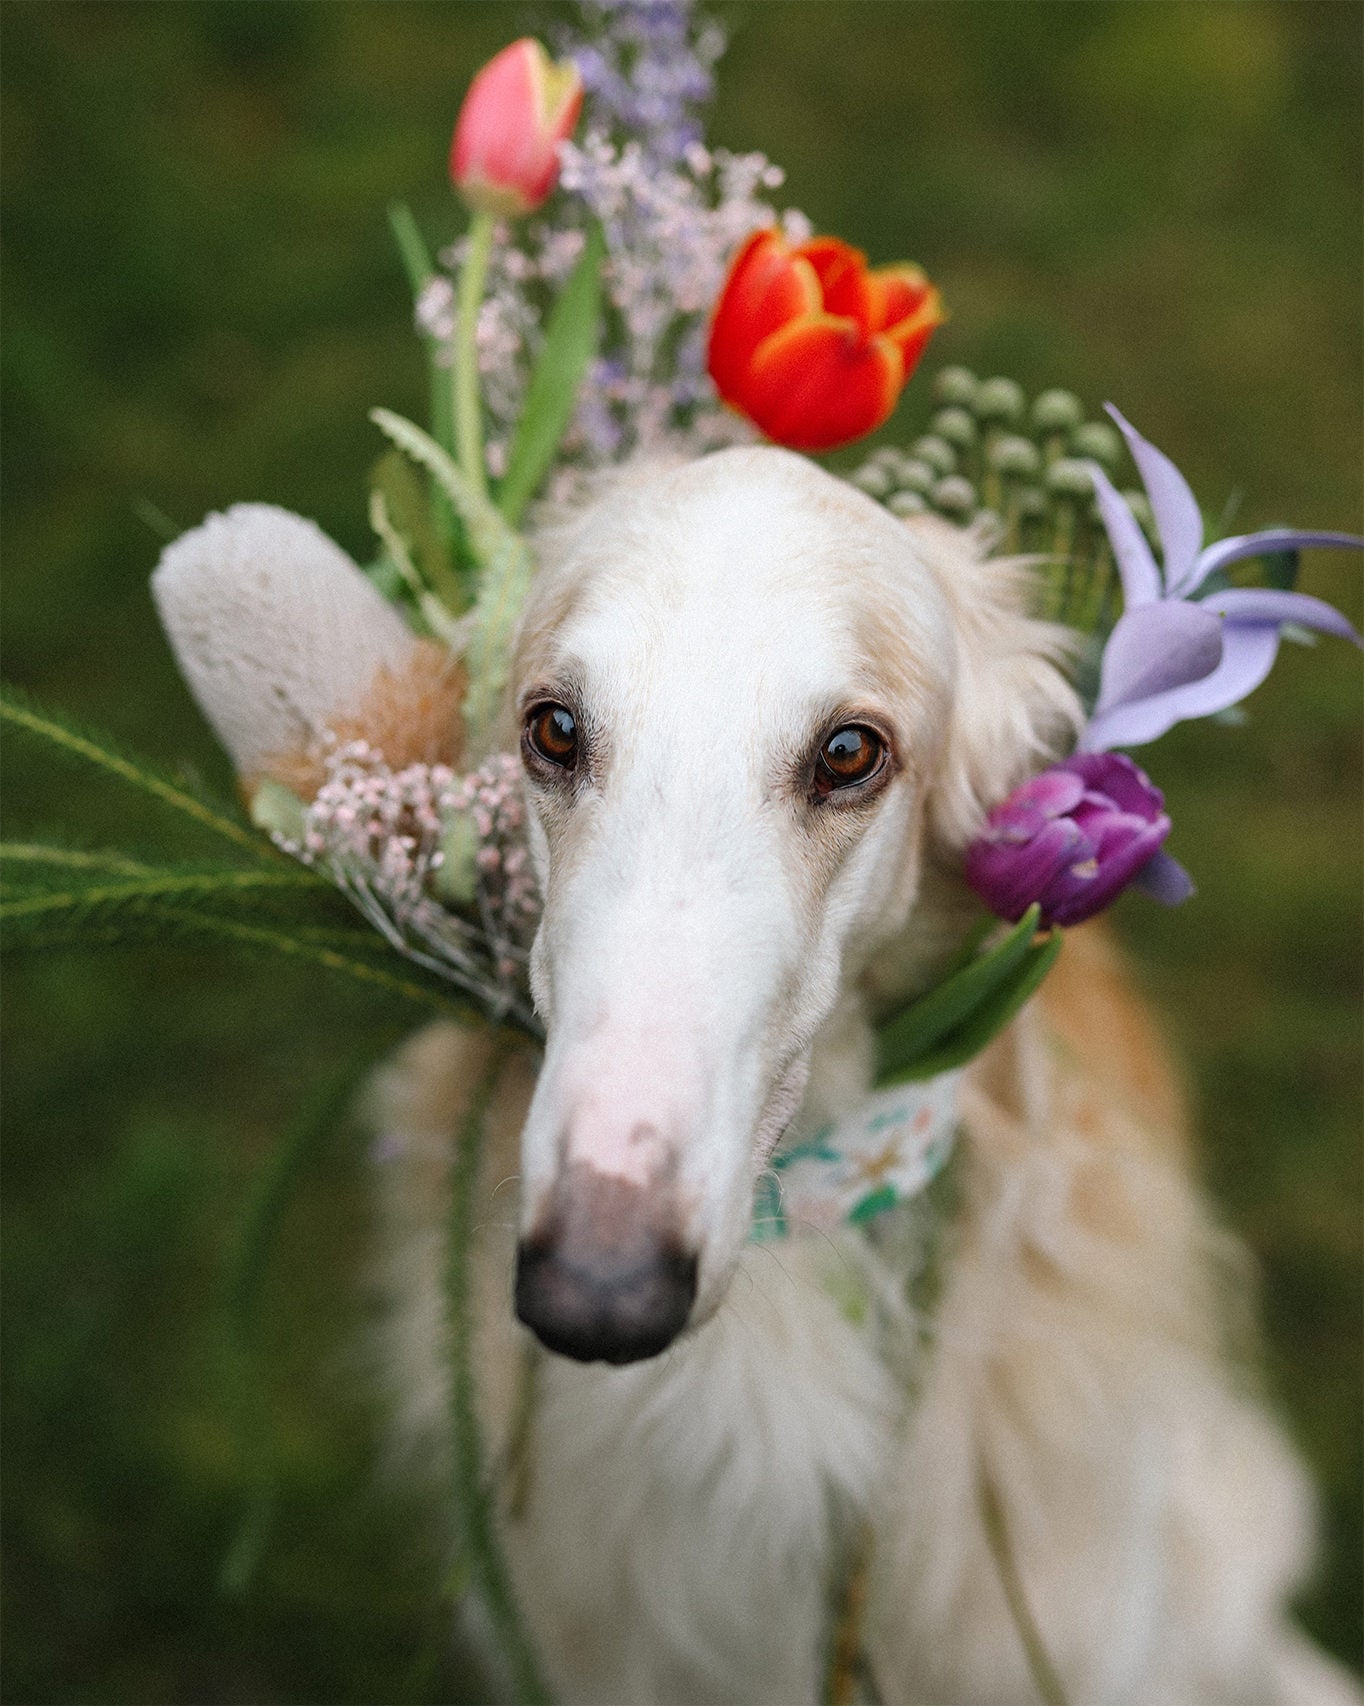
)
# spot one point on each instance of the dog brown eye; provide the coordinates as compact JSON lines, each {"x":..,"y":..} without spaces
{"x":552,"y":734}
{"x":849,"y":755}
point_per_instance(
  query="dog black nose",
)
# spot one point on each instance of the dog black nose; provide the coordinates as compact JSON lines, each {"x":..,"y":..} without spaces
{"x":605,"y":1279}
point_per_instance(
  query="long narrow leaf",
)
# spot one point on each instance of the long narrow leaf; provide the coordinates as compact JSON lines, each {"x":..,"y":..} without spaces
{"x":150,"y":887}
{"x":149,"y":923}
{"x":45,"y":857}
{"x":570,"y":343}
{"x":986,"y":1021}
{"x":356,"y":955}
{"x":101,"y":752}
{"x":915,"y":1030}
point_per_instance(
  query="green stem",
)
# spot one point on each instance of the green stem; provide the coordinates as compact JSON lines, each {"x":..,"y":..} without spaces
{"x":1063,"y":544}
{"x":474,"y":1505}
{"x":271,"y":1197}
{"x":468,"y":418}
{"x":1043,"y":1672}
{"x":411,"y":245}
{"x":420,"y":269}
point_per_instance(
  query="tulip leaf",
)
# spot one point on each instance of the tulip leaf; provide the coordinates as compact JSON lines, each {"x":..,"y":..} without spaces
{"x":916,"y":1029}
{"x":990,"y":1018}
{"x":985,"y":1021}
{"x":570,"y":343}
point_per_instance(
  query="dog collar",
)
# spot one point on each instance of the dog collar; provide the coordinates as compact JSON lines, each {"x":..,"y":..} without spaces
{"x":854,"y":1169}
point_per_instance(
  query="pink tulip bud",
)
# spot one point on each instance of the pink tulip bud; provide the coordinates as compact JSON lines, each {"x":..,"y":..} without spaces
{"x":505,"y":155}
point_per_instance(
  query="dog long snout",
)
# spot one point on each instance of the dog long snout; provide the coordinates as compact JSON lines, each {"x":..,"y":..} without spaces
{"x":604,"y":1277}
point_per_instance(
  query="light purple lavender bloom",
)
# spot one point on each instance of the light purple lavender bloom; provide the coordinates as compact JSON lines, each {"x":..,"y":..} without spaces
{"x":672,"y":212}
{"x":646,"y":67}
{"x":1170,"y":658}
{"x":1074,"y":837}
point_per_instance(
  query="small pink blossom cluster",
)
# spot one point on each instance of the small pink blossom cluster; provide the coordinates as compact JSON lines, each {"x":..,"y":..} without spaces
{"x":385,"y":822}
{"x":490,"y":799}
{"x":390,"y":839}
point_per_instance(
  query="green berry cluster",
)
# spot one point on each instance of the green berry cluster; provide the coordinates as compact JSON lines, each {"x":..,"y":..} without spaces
{"x":1019,"y":470}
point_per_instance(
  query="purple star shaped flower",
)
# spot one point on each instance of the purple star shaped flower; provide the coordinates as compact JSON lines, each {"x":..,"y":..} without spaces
{"x":1168,"y":658}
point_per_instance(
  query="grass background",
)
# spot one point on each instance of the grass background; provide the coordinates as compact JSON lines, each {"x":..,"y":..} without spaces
{"x":1153,"y":202}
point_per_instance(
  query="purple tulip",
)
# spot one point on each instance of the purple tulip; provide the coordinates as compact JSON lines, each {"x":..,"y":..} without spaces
{"x":1168,"y":659}
{"x":1072,"y":839}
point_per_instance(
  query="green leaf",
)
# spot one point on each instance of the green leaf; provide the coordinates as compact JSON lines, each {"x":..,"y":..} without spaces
{"x":570,"y":343}
{"x":44,"y":857}
{"x":988,"y":1019}
{"x":487,"y":528}
{"x":504,"y":575}
{"x":410,"y":514}
{"x":358,"y":955}
{"x":143,"y":891}
{"x":73,"y":741}
{"x":416,"y":257}
{"x":908,"y":1036}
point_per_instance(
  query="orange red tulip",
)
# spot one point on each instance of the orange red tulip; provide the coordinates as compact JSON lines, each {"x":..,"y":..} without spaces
{"x":812,"y":344}
{"x":504,"y":158}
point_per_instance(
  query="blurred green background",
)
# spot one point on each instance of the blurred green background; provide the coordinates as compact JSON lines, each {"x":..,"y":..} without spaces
{"x":1153,"y":202}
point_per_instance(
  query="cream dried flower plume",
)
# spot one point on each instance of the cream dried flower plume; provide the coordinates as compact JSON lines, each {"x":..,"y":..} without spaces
{"x":287,"y":649}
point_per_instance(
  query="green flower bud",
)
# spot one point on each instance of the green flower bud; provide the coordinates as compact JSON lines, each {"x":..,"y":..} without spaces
{"x":278,"y":811}
{"x":1015,"y":457}
{"x":873,"y":479}
{"x":937,"y":452}
{"x":1067,"y":478}
{"x":1098,"y":442}
{"x":990,"y":523}
{"x":955,"y":385}
{"x":456,"y":879}
{"x":887,"y":457}
{"x":906,"y":503}
{"x":1000,"y":400}
{"x":955,"y":495}
{"x":1031,"y":503}
{"x":956,"y":426}
{"x":1057,"y":411}
{"x":917,"y":475}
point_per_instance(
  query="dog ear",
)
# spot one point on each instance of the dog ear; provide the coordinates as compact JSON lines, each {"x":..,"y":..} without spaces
{"x":1014,"y":710}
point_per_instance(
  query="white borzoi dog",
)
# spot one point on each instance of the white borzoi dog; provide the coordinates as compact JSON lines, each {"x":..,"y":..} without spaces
{"x":719,"y":1424}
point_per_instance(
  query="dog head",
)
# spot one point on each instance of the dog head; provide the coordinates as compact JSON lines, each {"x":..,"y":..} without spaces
{"x":750,"y":699}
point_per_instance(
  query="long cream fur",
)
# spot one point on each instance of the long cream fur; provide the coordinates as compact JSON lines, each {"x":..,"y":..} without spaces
{"x":684,"y":1518}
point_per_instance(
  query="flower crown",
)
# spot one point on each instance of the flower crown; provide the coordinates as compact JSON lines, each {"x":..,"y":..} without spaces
{"x":661,"y":301}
